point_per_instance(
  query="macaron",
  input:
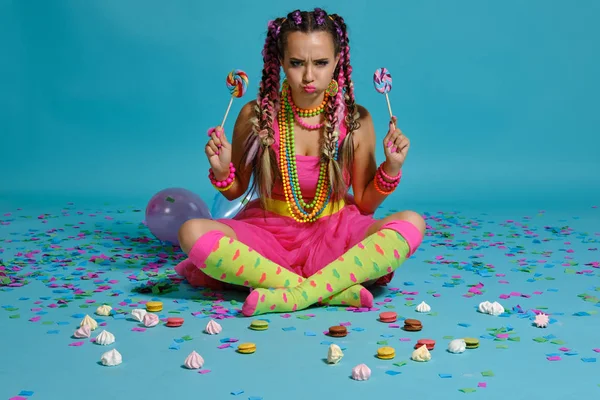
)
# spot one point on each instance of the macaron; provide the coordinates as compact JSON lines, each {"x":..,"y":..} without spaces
{"x":388,"y":316}
{"x":412,"y":325}
{"x":386,"y":353}
{"x":259,"y":325}
{"x":154,"y":306}
{"x":246,"y":348}
{"x":471,"y":343}
{"x":338,"y":331}
{"x":174,"y":322}
{"x":429,"y":343}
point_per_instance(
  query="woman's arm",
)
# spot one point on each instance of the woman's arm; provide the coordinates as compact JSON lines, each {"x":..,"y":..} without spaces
{"x":241,"y":130}
{"x":365,"y":165}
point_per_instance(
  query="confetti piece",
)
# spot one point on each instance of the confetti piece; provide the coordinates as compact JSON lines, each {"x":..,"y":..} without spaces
{"x":237,"y":392}
{"x":400,"y":364}
{"x":204,"y":371}
{"x":26,"y":393}
{"x":464,"y":324}
{"x":487,"y":373}
{"x":76,"y":344}
{"x":289,"y":328}
{"x":445,"y":375}
{"x":589,"y":360}
{"x":255,"y":398}
{"x":467,"y":390}
{"x":554,"y":358}
{"x":308,"y":333}
{"x":393,"y":373}
{"x":482,"y":385}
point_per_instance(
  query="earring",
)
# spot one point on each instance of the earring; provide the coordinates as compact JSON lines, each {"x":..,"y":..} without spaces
{"x":333,"y":88}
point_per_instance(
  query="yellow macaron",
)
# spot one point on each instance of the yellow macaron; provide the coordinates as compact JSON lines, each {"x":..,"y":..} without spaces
{"x":386,"y":353}
{"x":246,"y":348}
{"x":154,"y":306}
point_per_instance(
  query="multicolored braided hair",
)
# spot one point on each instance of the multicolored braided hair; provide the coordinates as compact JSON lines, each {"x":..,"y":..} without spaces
{"x":340,"y":108}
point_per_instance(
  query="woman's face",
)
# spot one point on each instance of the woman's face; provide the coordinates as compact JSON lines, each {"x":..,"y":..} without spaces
{"x":309,"y":62}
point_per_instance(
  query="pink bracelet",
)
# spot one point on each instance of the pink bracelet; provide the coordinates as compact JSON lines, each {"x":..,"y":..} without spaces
{"x":224,"y":183}
{"x":386,"y":176}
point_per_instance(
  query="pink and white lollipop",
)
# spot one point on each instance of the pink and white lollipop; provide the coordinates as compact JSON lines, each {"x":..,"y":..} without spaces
{"x":382,"y":79}
{"x":237,"y":83}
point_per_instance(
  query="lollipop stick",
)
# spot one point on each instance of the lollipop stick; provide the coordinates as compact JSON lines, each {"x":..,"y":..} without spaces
{"x":389,"y":106}
{"x":227,"y":112}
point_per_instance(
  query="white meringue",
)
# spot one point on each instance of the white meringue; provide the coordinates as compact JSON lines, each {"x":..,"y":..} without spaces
{"x":423,"y":307}
{"x":541,"y":320}
{"x":193,"y":361}
{"x":361,"y":372}
{"x":457,"y":346}
{"x":334,"y":354}
{"x":421,"y":354}
{"x":213,"y":328}
{"x":494,"y":308}
{"x":105,"y":338}
{"x":111,"y":358}
{"x":104,"y":310}
{"x":89,"y":321}
{"x":138,"y":314}
{"x":82,"y":332}
{"x":150,"y":320}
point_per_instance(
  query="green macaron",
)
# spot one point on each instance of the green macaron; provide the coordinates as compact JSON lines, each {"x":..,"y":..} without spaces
{"x":259,"y":325}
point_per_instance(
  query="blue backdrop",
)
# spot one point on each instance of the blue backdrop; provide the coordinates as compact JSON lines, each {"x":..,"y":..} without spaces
{"x":112,"y":99}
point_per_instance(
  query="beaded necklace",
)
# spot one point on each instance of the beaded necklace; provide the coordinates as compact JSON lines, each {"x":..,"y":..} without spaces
{"x":298,"y":208}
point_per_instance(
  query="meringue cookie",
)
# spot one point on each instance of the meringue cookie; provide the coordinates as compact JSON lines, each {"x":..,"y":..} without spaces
{"x":138,"y":314}
{"x":423,"y":307}
{"x":213,"y":328}
{"x":104,"y":310}
{"x":89,"y":321}
{"x":111,"y":358}
{"x":541,"y":320}
{"x":457,"y":346}
{"x":494,"y":308}
{"x":361,"y":372}
{"x":334,"y":354}
{"x":105,"y":338}
{"x":150,"y":320}
{"x":421,"y":354}
{"x":193,"y":361}
{"x":83,"y":332}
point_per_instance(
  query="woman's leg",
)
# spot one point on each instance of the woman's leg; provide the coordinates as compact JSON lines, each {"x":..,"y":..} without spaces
{"x":379,"y":254}
{"x":216,"y":256}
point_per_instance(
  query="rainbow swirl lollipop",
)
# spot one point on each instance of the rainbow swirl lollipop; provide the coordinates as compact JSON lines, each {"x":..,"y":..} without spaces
{"x":237,"y":83}
{"x":382,"y":79}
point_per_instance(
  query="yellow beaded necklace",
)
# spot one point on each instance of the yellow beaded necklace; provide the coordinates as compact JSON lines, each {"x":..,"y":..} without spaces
{"x":297,"y":206}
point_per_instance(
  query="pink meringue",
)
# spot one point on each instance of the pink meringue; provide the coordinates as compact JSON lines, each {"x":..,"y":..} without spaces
{"x":361,"y":372}
{"x":213,"y":328}
{"x":193,"y":361}
{"x":83,"y":332}
{"x":150,"y":320}
{"x":541,"y":320}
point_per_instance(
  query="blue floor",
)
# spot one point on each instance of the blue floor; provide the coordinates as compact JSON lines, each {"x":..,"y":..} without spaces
{"x":72,"y":258}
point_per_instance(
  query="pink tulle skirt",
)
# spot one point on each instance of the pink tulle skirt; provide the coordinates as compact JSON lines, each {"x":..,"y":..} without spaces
{"x":303,"y":248}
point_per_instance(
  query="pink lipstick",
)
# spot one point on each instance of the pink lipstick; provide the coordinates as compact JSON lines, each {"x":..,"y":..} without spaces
{"x":309,"y":89}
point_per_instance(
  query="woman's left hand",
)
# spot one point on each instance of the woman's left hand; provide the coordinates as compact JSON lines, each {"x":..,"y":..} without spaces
{"x":395,"y":146}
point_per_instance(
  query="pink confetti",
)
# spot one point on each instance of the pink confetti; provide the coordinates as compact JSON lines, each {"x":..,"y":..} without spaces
{"x":596,"y":350}
{"x":76,"y":344}
{"x":286,"y":315}
{"x":137,"y":329}
{"x":204,"y":371}
{"x":482,"y":385}
{"x":554,"y":358}
{"x":436,"y":295}
{"x":224,"y":346}
{"x":504,"y":296}
{"x":564,"y":349}
{"x":35,"y":319}
{"x":537,"y":292}
{"x":394,"y":326}
{"x":502,"y":335}
{"x":405,"y":339}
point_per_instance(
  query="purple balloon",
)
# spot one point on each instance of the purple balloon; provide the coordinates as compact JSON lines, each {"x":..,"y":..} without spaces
{"x":168,"y":209}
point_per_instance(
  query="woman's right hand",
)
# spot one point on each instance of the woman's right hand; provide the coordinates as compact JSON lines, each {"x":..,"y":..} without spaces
{"x":218,"y":151}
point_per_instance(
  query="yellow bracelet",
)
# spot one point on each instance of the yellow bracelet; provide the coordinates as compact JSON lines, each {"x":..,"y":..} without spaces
{"x":223,"y":189}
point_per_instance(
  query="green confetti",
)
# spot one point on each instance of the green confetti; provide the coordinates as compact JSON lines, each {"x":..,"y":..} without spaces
{"x":487,"y":373}
{"x":557,"y":341}
{"x":187,"y":337}
{"x":170,"y":199}
{"x":467,"y":390}
{"x":514,"y":339}
{"x":400,"y":364}
{"x":540,"y":339}
{"x":502,"y":346}
{"x":47,"y":323}
{"x":304,"y":317}
{"x":433,"y":314}
{"x":382,"y":342}
{"x":14,"y":316}
{"x":10,"y":309}
{"x":448,"y":337}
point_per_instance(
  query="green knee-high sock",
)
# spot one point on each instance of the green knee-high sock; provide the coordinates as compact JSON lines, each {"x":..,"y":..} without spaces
{"x":379,"y":254}
{"x":231,"y":261}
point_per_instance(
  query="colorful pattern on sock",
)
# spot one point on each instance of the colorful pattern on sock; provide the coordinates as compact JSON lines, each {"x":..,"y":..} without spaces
{"x":231,"y":261}
{"x":379,"y":254}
